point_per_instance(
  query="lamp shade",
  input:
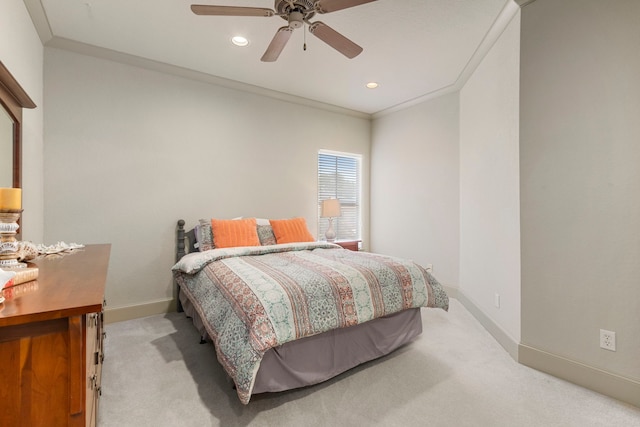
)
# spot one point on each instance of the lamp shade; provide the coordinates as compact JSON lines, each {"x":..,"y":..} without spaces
{"x":330,"y":208}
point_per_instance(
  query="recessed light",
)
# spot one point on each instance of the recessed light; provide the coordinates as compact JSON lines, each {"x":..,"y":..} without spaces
{"x":240,"y":41}
{"x":372,"y":85}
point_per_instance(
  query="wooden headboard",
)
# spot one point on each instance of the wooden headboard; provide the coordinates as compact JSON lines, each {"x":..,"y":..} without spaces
{"x":185,"y":241}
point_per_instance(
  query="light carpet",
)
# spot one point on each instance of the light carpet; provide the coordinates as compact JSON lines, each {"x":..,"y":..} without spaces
{"x":455,"y":374}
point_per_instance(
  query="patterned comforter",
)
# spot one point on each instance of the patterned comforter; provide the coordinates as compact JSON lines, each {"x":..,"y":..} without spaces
{"x":254,"y":298}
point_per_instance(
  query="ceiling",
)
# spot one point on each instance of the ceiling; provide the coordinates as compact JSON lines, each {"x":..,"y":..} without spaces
{"x":412,"y":48}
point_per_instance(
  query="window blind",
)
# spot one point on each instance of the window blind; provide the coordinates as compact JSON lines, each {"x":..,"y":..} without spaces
{"x":339,"y":178}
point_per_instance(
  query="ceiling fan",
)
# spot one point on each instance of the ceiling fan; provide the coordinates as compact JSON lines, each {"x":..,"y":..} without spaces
{"x":296,"y":13}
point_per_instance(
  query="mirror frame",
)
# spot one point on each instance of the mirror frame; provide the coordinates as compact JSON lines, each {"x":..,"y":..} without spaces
{"x":13,"y":98}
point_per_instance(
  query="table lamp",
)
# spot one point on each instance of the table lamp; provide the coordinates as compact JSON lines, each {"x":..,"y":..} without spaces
{"x":330,"y":209}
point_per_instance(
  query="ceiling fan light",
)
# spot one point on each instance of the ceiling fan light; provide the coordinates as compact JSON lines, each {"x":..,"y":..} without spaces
{"x":296,"y":19}
{"x":372,"y":85}
{"x":239,"y":41}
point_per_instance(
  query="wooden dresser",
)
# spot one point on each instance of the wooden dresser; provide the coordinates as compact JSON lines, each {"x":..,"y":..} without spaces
{"x":51,"y":342}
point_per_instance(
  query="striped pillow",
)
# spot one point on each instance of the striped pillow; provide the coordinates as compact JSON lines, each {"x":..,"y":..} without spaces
{"x":291,"y":230}
{"x":265,"y":234}
{"x":204,"y":236}
{"x":228,"y":233}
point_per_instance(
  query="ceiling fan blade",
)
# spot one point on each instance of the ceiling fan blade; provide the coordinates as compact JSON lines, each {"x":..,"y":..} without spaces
{"x":335,"y":39}
{"x":200,"y":9}
{"x":326,"y":6}
{"x":278,"y":43}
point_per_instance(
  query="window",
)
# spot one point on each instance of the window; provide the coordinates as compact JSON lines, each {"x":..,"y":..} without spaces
{"x":339,"y":178}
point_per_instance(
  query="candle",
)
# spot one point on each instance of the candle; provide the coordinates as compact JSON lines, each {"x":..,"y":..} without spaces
{"x":10,"y":198}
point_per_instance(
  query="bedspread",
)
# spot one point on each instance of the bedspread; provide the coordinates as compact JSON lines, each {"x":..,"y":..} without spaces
{"x":254,"y":299}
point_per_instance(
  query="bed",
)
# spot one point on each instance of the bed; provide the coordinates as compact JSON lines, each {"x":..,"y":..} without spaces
{"x":284,"y":315}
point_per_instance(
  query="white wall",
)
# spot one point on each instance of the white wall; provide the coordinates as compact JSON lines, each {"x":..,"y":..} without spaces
{"x":489,"y":184}
{"x":130,"y":151}
{"x":21,"y":52}
{"x":414,"y":186}
{"x":580,"y":182}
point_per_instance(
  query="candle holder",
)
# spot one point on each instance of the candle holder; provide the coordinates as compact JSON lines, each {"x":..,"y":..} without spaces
{"x":8,"y":244}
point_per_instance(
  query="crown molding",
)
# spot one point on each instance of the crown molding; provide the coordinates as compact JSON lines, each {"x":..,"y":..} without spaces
{"x":41,"y":23}
{"x":523,"y":3}
{"x":504,"y":18}
{"x":39,"y":19}
{"x":140,"y":62}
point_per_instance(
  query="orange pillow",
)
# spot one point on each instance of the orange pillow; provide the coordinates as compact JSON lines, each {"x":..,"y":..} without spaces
{"x":291,"y":230}
{"x":228,"y":233}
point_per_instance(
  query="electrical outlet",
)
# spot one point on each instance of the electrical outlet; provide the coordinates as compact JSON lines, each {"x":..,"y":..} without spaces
{"x":607,"y":340}
{"x":496,"y":300}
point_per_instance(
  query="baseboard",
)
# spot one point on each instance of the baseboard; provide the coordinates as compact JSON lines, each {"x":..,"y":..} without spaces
{"x":615,"y":386}
{"x":451,"y":291}
{"x":119,"y":314}
{"x":621,"y":388}
{"x":496,"y":331}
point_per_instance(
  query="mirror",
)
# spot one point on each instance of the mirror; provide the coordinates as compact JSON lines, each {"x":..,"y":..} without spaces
{"x":12,"y":100}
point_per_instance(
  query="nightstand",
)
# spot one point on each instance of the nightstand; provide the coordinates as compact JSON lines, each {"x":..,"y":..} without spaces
{"x":352,"y":245}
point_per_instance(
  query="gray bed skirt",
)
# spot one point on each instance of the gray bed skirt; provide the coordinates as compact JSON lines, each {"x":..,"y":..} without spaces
{"x":318,"y":358}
